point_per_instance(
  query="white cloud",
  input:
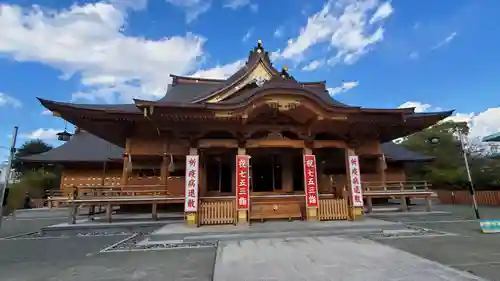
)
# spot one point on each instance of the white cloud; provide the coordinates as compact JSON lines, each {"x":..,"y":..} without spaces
{"x":346,"y":86}
{"x":88,"y":39}
{"x":383,"y":11}
{"x":445,"y":41}
{"x":419,"y":107}
{"x":192,"y":8}
{"x":313,"y":65}
{"x":237,"y":4}
{"x":345,"y":26}
{"x":248,"y":35}
{"x":6,"y":100}
{"x":46,"y":112}
{"x":481,"y":124}
{"x":220,"y":71}
{"x":42,"y":134}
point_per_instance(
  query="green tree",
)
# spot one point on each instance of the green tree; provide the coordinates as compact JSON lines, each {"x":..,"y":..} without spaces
{"x":28,"y":148}
{"x":33,"y":182}
{"x":448,"y":168}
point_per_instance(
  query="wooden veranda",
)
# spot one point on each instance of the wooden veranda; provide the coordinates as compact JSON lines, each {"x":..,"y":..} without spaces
{"x":222,"y":209}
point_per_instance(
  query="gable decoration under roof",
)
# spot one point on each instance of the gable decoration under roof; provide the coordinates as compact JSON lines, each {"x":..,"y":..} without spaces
{"x":258,"y":69}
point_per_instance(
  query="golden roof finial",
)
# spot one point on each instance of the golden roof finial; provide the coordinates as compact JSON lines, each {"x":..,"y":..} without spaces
{"x":259,"y":41}
{"x":285,"y":68}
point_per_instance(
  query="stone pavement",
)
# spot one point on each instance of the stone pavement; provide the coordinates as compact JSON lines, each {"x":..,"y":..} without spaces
{"x":180,"y":231}
{"x":325,"y":258}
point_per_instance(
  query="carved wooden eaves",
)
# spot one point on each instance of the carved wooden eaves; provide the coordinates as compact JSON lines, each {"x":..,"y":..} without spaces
{"x":283,"y":104}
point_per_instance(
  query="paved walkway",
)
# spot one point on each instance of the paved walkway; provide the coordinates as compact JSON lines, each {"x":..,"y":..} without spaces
{"x":325,"y":258}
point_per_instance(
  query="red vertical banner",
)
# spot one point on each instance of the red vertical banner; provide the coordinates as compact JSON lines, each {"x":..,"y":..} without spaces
{"x":310,"y":180}
{"x":242,"y":182}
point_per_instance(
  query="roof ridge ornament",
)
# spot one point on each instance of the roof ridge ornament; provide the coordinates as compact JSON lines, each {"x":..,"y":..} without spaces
{"x":284,"y":73}
{"x":259,"y":49}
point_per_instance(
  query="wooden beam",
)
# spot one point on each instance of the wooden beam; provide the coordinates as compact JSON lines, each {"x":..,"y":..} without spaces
{"x":275,"y":143}
{"x":329,"y":143}
{"x":226,"y":143}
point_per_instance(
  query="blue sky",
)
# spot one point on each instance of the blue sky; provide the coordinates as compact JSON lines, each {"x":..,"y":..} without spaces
{"x":371,"y":53}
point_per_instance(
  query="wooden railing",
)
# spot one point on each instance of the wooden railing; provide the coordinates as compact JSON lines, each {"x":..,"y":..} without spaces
{"x":333,"y":209}
{"x":395,"y":187}
{"x":220,"y":210}
{"x":57,"y":198}
{"x":130,"y":191}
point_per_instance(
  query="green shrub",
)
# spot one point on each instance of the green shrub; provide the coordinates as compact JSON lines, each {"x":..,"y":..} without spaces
{"x":34,"y":183}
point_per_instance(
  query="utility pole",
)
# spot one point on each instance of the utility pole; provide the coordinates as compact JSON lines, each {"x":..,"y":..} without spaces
{"x":7,"y":175}
{"x":472,"y":190}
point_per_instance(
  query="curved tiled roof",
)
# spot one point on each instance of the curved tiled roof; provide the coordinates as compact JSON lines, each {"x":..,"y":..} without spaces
{"x":83,"y":147}
{"x":492,"y":138}
{"x":398,"y":152}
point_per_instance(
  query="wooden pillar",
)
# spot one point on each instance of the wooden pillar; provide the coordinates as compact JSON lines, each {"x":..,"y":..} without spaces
{"x":369,"y":204}
{"x":381,"y":167}
{"x":124,"y":179}
{"x":192,"y":217}
{"x":202,"y":186}
{"x":286,"y":172}
{"x":109,"y":212}
{"x":125,"y":172}
{"x":242,"y":214}
{"x":164,"y":172}
{"x":404,"y":203}
{"x":154,"y":211}
{"x":73,"y":209}
{"x":312,"y":212}
{"x":428,"y":203}
{"x":355,"y":212}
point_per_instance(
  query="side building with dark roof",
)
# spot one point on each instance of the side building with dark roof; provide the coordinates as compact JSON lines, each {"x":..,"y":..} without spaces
{"x":283,"y":128}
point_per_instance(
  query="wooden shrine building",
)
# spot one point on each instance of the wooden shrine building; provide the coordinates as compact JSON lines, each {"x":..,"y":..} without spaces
{"x":257,"y":145}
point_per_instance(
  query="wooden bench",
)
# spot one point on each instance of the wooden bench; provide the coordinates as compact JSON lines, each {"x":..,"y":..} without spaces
{"x":402,"y":194}
{"x":397,"y":189}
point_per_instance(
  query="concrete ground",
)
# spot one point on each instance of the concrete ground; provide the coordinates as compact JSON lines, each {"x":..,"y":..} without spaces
{"x":78,"y":259}
{"x":470,"y":250}
{"x":82,"y":258}
{"x":30,"y":221}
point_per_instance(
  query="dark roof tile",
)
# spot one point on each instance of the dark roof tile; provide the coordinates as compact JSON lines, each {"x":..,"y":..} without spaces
{"x":396,"y":152}
{"x":186,"y":93}
{"x":83,"y":147}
